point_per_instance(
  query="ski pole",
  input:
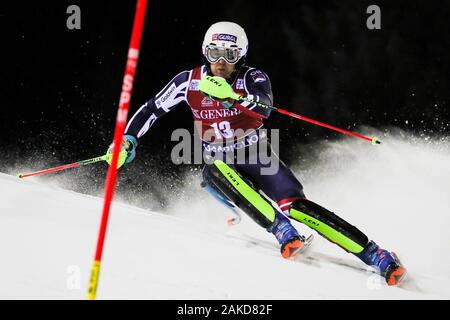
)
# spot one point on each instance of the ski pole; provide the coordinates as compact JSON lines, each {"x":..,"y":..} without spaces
{"x":373,"y":140}
{"x":219,"y":88}
{"x":64,"y":167}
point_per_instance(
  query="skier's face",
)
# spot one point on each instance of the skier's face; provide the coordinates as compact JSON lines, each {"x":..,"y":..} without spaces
{"x":222,"y":69}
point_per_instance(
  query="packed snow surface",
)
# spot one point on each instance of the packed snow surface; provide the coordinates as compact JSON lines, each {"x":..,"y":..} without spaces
{"x":397,"y":193}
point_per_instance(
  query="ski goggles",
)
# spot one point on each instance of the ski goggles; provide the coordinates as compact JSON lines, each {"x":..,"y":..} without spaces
{"x":230,"y":55}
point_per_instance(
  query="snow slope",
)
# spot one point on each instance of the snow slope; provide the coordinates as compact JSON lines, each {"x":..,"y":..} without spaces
{"x":397,"y":193}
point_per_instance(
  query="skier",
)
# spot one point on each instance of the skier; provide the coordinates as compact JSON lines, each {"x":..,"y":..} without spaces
{"x":239,"y":124}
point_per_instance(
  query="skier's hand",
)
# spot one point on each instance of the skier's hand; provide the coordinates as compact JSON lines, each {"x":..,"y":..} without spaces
{"x":227,"y":103}
{"x":127,"y":151}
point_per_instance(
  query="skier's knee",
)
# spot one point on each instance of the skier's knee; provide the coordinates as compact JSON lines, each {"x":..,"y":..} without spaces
{"x":286,"y":203}
{"x":238,"y":189}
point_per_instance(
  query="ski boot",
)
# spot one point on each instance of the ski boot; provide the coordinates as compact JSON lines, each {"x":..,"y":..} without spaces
{"x":290,"y":240}
{"x":387,"y":263}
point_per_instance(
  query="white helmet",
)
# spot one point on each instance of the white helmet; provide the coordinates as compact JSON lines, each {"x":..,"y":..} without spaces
{"x":225,"y":40}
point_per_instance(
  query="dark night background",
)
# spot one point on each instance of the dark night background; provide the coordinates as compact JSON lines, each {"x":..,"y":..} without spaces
{"x":61,"y":87}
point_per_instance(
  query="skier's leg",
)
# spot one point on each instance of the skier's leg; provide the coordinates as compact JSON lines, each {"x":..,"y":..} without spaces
{"x":282,"y":186}
{"x":329,"y":225}
{"x":287,"y":191}
{"x":349,"y":238}
{"x":239,"y":190}
{"x":236,"y":189}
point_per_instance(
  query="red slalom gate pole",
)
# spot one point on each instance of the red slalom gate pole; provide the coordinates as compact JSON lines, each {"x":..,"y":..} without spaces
{"x":122,"y":115}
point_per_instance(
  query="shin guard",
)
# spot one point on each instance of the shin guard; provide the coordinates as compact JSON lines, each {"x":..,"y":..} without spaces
{"x":239,"y":191}
{"x":329,"y":225}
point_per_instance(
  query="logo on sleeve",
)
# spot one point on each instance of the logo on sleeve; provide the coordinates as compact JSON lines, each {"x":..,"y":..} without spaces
{"x":194,"y":85}
{"x":224,"y":37}
{"x":240,"y":84}
{"x":166,"y":95}
{"x":258,"y":76}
